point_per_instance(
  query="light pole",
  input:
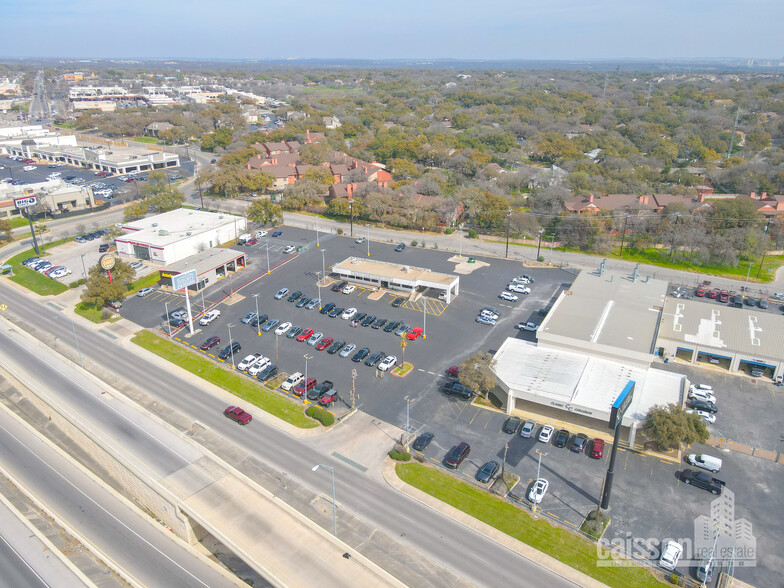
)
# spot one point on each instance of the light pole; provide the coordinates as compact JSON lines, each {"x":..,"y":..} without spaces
{"x":539,"y":246}
{"x":317,"y":236}
{"x":746,"y":283}
{"x":351,"y":213}
{"x":334,"y":507}
{"x":231,"y":347}
{"x":508,"y":220}
{"x":408,"y":400}
{"x":84,"y":267}
{"x":424,"y":318}
{"x":267,"y":248}
{"x":168,"y":321}
{"x":318,"y":285}
{"x":368,"y":239}
{"x":307,"y":357}
{"x":76,"y":338}
{"x":323,"y":264}
{"x":539,"y":470}
{"x":258,"y":323}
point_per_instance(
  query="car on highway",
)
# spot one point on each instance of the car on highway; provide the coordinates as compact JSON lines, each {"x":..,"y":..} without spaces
{"x":238,"y":415}
{"x":511,"y":425}
{"x":360,"y":355}
{"x":414,"y":333}
{"x":456,"y":455}
{"x":144,"y":292}
{"x":597,"y":449}
{"x":324,"y":343}
{"x":388,"y":362}
{"x":546,"y":433}
{"x":209,"y":316}
{"x":508,"y":296}
{"x":421,"y":442}
{"x":349,"y":314}
{"x":400,"y":247}
{"x":281,"y":293}
{"x":486,"y":473}
{"x":304,"y":335}
{"x":538,"y":490}
{"x":248,"y":361}
{"x":347,"y":350}
{"x":210,"y":343}
{"x":283,"y":328}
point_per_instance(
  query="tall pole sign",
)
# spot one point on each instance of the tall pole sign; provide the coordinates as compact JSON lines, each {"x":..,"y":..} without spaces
{"x":181,"y":282}
{"x":22,"y":204}
{"x":619,"y":408}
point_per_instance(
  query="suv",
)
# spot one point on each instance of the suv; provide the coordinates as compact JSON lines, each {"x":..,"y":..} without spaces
{"x":318,"y":391}
{"x":456,"y":456}
{"x":338,"y":286}
{"x":457,"y":389}
{"x":703,"y":480}
{"x":229,"y":350}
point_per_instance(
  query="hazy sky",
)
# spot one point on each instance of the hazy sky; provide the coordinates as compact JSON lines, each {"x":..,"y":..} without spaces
{"x":498,"y":29}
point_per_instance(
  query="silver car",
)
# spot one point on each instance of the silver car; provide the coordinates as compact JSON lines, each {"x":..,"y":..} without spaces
{"x":315,"y":338}
{"x":528,"y":429}
{"x":347,"y":350}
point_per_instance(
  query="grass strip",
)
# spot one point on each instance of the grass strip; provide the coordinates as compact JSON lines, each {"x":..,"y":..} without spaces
{"x":31,"y":279}
{"x":558,"y":543}
{"x":94,"y":314}
{"x":239,"y":385}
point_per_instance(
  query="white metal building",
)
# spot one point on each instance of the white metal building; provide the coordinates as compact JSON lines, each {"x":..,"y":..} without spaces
{"x":396,"y":276}
{"x":177,"y":234}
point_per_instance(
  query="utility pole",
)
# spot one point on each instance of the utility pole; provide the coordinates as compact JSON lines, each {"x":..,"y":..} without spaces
{"x":623,"y":235}
{"x":503,"y":462}
{"x":351,"y":213}
{"x":508,"y":220}
{"x":765,"y":249}
{"x":538,"y":472}
{"x":408,"y":400}
{"x":734,"y":129}
{"x":539,"y":245}
{"x":353,"y":389}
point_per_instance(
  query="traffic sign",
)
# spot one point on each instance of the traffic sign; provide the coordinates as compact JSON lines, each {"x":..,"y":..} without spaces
{"x":184,"y":279}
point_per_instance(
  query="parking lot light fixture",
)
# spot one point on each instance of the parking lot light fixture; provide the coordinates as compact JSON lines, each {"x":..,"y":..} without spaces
{"x":323,"y":264}
{"x":408,"y":400}
{"x":334,"y":507}
{"x":231,"y":348}
{"x":539,"y":469}
{"x":267,"y":248}
{"x":317,"y":236}
{"x":318,"y":285}
{"x":351,"y":214}
{"x":307,"y":357}
{"x":368,"y":239}
{"x":84,"y":268}
{"x":258,"y":322}
{"x":168,"y":319}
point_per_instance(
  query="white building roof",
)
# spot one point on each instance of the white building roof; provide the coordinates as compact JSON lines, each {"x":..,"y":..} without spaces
{"x":393,"y":271}
{"x":169,"y":227}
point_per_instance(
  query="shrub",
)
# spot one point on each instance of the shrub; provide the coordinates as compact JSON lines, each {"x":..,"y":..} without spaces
{"x":472,"y":234}
{"x":399,"y":455}
{"x":674,"y":580}
{"x":77,"y":283}
{"x":422,"y":243}
{"x":340,"y":231}
{"x":414,"y":243}
{"x":106,"y":313}
{"x":541,"y":258}
{"x":324,"y":417}
{"x":449,"y":231}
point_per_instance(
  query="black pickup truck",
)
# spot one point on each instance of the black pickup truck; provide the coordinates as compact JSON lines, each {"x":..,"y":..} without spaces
{"x":703,"y":480}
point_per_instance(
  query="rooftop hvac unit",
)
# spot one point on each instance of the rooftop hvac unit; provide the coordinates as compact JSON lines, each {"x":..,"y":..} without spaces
{"x":189,"y":233}
{"x":155,"y":224}
{"x":163,"y":233}
{"x":354,"y":260}
{"x":404,"y":268}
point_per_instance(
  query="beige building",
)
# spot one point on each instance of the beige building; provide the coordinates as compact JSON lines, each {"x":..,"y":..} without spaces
{"x":54,"y":197}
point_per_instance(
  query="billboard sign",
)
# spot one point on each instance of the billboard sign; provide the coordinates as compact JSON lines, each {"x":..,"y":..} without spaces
{"x":621,"y":405}
{"x":25,"y":202}
{"x":184,"y":279}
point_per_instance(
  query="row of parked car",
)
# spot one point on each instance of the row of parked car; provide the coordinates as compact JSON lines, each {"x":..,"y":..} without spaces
{"x":90,"y":236}
{"x":46,"y":267}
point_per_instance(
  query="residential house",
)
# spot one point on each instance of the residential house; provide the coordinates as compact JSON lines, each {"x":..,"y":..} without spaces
{"x":284,"y":175}
{"x":331,"y":122}
{"x":632,"y":203}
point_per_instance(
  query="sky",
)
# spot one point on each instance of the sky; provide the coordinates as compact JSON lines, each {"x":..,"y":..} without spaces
{"x":419,"y":29}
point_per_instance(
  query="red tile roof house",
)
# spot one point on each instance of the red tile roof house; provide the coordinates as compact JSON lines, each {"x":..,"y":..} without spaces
{"x":632,"y":203}
{"x":284,"y":175}
{"x":259,"y":161}
{"x":770,"y":206}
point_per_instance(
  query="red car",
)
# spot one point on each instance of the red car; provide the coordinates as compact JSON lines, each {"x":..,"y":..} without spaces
{"x":414,"y":333}
{"x":251,"y":241}
{"x":453,"y":371}
{"x":700,"y":292}
{"x":597,"y":449}
{"x":329,"y":397}
{"x":724,"y":296}
{"x":238,"y":415}
{"x":324,"y":343}
{"x":304,"y":387}
{"x":103,"y":173}
{"x":210,"y":343}
{"x":304,"y":335}
{"x":714,"y":293}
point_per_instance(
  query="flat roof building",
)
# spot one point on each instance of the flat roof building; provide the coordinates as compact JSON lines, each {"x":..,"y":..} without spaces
{"x":210,"y":265}
{"x":178,"y":234}
{"x":396,"y":276}
{"x":53,"y":196}
{"x":735,"y":339}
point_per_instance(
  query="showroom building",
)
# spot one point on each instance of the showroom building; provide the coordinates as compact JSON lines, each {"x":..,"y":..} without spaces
{"x":749,"y":340}
{"x":211,"y":266}
{"x":175,"y":235}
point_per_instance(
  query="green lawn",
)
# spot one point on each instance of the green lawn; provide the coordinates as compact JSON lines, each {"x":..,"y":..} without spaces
{"x":18,"y":222}
{"x":241,"y":386}
{"x":145,"y":140}
{"x":144,"y":282}
{"x":93,"y":313}
{"x":32,"y":280}
{"x":561,"y":544}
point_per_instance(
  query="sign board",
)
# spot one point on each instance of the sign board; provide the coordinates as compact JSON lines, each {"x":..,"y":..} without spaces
{"x":621,"y":404}
{"x":25,"y":202}
{"x":184,"y":279}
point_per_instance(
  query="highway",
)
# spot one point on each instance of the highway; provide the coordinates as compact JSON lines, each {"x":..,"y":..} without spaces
{"x":462,"y":550}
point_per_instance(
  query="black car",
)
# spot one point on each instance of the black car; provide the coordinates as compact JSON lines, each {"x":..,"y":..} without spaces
{"x":398,"y":302}
{"x":423,"y":441}
{"x":302,"y":301}
{"x":359,"y":317}
{"x":561,"y":438}
{"x":229,"y":350}
{"x":703,"y":480}
{"x":335,"y":347}
{"x":705,"y":405}
{"x":294,"y":296}
{"x":454,"y":388}
{"x":544,"y":311}
{"x":487,"y":471}
{"x":360,"y":355}
{"x":379,"y":323}
{"x":268,"y":373}
{"x":400,"y":247}
{"x":579,"y":442}
{"x":178,"y":322}
{"x":336,"y":311}
{"x":319,"y":390}
{"x":763,"y":303}
{"x":338,"y":286}
{"x":368,"y":320}
{"x":103,"y":248}
{"x":327,"y":307}
{"x":294,"y":331}
{"x":375,"y":358}
{"x":511,"y":425}
{"x":258,"y":320}
{"x":391,"y":326}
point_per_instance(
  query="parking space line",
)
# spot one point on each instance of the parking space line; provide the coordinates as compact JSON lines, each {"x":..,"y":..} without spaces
{"x":434,"y":460}
{"x":552,"y":515}
{"x":570,"y":523}
{"x":471,"y":422}
{"x":420,"y":370}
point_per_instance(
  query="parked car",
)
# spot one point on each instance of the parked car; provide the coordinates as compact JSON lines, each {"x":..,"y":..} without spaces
{"x":421,"y":442}
{"x":347,"y":350}
{"x":453,"y":371}
{"x":538,"y":490}
{"x":231,"y":349}
{"x":527,"y":430}
{"x":209,"y":316}
{"x":269,"y":325}
{"x":388,"y":362}
{"x":349,"y":289}
{"x":294,"y":296}
{"x":338,"y":286}
{"x":485,"y":320}
{"x":597,"y":449}
{"x":398,"y":302}
{"x":258,"y":320}
{"x":319,"y":390}
{"x":374,"y":358}
{"x":304,"y":335}
{"x":292,"y":381}
{"x":508,"y":296}
{"x":703,"y":480}
{"x":511,"y":425}
{"x":260,"y":364}
{"x":249,"y":317}
{"x":293,"y":332}
{"x":335,"y":347}
{"x":136,"y":265}
{"x":530,"y":327}
{"x":304,"y":386}
{"x":579,"y":443}
{"x":670,"y":554}
{"x":487,"y":472}
{"x":360,"y":355}
{"x":378,"y":323}
{"x":456,"y":455}
{"x":327,"y":308}
{"x":706,"y":462}
{"x":336,"y":311}
{"x":414,"y":333}
{"x":324,"y":343}
{"x":701,"y":405}
{"x":210,"y":343}
{"x":248,"y":361}
{"x":368,"y":320}
{"x":455,"y":388}
{"x":267,"y":373}
{"x":359,"y":240}
{"x":302,"y":302}
{"x":328,"y":397}
{"x":389,"y":327}
{"x":518,"y":289}
{"x":562,"y":438}
{"x":349,"y":314}
{"x":238,"y":415}
{"x":281,"y":293}
{"x":546,"y":433}
{"x":289,"y":249}
{"x":315,"y":338}
{"x":283,"y":328}
{"x":707,"y":417}
{"x":114,"y":305}
{"x":313,"y":304}
{"x":277,"y":234}
{"x":144,"y":291}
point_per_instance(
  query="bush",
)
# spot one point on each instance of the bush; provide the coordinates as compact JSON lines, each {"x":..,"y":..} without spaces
{"x":414,"y":243}
{"x":324,"y":417}
{"x":399,"y":455}
{"x":449,"y":231}
{"x":472,"y":234}
{"x":674,"y":580}
{"x":422,"y":243}
{"x":77,"y":283}
{"x":340,"y":231}
{"x":541,"y":258}
{"x":106,"y":313}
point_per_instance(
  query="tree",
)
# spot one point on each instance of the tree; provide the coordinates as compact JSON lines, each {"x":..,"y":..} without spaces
{"x":314,"y":153}
{"x":5,"y":230}
{"x":669,"y":426}
{"x":476,"y":373}
{"x":98,"y":289}
{"x":320,"y":175}
{"x":264,"y":212}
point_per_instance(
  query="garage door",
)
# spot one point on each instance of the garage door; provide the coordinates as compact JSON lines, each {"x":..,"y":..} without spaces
{"x":756,"y":368}
{"x":713,"y":359}
{"x":684,"y":354}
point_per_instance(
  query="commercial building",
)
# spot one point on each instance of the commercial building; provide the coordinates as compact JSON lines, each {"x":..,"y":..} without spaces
{"x":178,"y":234}
{"x":210,"y":265}
{"x":396,"y":276}
{"x":54,"y":197}
{"x":735,"y":339}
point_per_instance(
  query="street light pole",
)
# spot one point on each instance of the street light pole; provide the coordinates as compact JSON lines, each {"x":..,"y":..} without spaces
{"x":508,"y":220}
{"x":351,"y":212}
{"x":318,"y":285}
{"x":85,"y":268}
{"x":317,"y":236}
{"x":258,"y":322}
{"x":334,"y":507}
{"x":231,"y":348}
{"x":424,"y":318}
{"x":168,"y":320}
{"x":267,"y":248}
{"x":539,"y":246}
{"x":539,"y":471}
{"x":408,"y":400}
{"x":323,"y":264}
{"x":307,"y":357}
{"x":368,"y":239}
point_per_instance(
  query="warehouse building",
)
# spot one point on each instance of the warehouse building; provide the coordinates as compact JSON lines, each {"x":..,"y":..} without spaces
{"x":734,"y":339}
{"x":175,"y":235}
{"x":396,"y":276}
{"x":210,"y":265}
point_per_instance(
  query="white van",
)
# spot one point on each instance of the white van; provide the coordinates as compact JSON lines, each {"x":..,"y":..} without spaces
{"x":706,"y":462}
{"x":243,"y":238}
{"x":292,"y":381}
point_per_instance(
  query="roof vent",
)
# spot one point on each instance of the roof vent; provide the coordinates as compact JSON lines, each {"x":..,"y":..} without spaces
{"x":189,"y":233}
{"x":354,"y":260}
{"x":163,"y":233}
{"x":404,"y":268}
{"x":155,"y":224}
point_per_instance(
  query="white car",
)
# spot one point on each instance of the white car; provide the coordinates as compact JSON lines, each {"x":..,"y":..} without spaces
{"x":708,"y":417}
{"x":538,"y":490}
{"x":388,"y":362}
{"x":260,"y":234}
{"x":508,"y":296}
{"x":546,"y":433}
{"x":29,"y":168}
{"x":519,"y":288}
{"x":671,"y":553}
{"x":144,"y":291}
{"x":289,"y":249}
{"x":60,"y":273}
{"x":520,"y":280}
{"x":248,"y":361}
{"x":258,"y":365}
{"x":485,"y":320}
{"x":702,"y":395}
{"x":349,"y":289}
{"x":292,"y":381}
{"x":348,"y":314}
{"x":531,"y":327}
{"x":359,"y":240}
{"x":209,"y":316}
{"x":283,"y":329}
